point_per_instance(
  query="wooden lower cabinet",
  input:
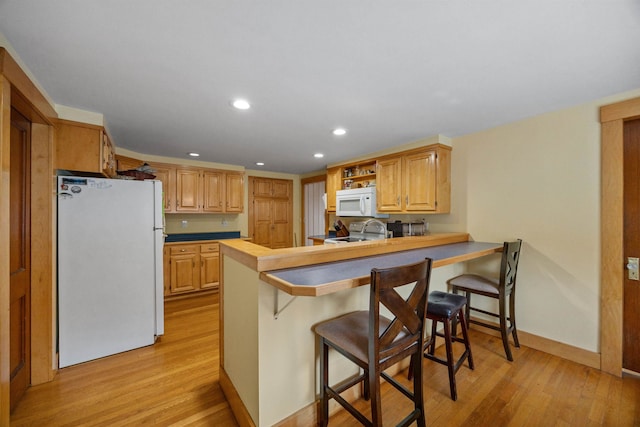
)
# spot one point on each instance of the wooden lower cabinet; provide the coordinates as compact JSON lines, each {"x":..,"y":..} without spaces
{"x":191,"y":267}
{"x":209,"y":266}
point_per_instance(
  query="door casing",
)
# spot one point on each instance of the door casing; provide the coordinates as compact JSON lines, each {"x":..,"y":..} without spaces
{"x":612,"y":118}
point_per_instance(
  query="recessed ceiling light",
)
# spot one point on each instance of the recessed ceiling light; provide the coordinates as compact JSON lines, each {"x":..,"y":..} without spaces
{"x":194,"y":154}
{"x":318,"y":155}
{"x":259,"y":163}
{"x":339,"y":131}
{"x":241,"y":104}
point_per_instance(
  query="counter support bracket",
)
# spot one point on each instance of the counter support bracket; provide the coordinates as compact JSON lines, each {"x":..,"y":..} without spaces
{"x":276,"y":311}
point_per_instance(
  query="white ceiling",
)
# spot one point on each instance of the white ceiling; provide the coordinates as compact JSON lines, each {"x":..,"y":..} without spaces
{"x":163,"y":72}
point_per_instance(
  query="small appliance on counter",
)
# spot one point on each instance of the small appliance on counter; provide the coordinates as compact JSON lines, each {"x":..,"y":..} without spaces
{"x":402,"y":229}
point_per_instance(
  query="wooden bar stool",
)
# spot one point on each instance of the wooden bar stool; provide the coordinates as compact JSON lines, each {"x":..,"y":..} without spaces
{"x":375,"y":342}
{"x":446,"y":308}
{"x":502,"y":288}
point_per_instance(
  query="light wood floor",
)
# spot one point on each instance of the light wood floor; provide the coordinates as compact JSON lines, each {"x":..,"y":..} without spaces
{"x":175,"y":382}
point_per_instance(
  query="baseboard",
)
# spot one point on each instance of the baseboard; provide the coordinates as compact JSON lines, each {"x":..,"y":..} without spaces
{"x":307,"y":415}
{"x":556,"y":348}
{"x":237,"y":407}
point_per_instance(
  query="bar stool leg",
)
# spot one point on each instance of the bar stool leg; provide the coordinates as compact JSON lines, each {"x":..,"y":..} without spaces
{"x":450,"y":363}
{"x":323,"y":418}
{"x":465,"y":335}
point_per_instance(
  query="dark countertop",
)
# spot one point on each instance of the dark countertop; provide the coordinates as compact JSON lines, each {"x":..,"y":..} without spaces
{"x":323,"y":236}
{"x":351,"y":273}
{"x":189,"y":237}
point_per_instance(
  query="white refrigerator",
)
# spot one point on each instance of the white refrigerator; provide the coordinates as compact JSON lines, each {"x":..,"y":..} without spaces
{"x":110,"y":281}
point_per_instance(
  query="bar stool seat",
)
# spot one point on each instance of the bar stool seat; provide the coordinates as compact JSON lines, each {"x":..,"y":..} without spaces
{"x":446,"y":308}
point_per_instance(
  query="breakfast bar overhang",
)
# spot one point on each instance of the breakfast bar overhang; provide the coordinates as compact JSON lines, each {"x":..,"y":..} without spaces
{"x":268,"y":354}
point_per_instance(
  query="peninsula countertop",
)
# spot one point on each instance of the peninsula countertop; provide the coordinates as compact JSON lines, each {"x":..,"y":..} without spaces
{"x":322,"y":279}
{"x":261,"y":258}
{"x":324,"y":269}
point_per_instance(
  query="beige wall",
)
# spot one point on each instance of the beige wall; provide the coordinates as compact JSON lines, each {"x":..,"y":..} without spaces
{"x":539,"y":179}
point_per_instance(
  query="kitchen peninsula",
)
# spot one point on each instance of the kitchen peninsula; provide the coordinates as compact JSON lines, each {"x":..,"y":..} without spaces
{"x":271,"y":298}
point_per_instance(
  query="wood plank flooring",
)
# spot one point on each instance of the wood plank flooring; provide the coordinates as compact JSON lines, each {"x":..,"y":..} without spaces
{"x":175,"y":383}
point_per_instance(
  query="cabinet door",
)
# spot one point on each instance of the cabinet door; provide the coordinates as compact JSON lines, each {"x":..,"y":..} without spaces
{"x":209,"y":266}
{"x":333,"y":183}
{"x":187,"y":190}
{"x":167,"y":175}
{"x":389,"y":185}
{"x":108,"y":156}
{"x":127,"y":163}
{"x":420,"y":181}
{"x":213,"y":191}
{"x":235,"y":193}
{"x":184,"y":273}
{"x":78,"y":147}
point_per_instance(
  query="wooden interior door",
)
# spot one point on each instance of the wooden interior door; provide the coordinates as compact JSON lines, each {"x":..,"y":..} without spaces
{"x":281,"y":228}
{"x":20,"y":255}
{"x":262,"y":221}
{"x":631,"y":289}
{"x":271,"y":212}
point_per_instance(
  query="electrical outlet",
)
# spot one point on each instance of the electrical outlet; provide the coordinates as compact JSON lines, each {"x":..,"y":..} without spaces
{"x":224,"y":222}
{"x":184,"y":224}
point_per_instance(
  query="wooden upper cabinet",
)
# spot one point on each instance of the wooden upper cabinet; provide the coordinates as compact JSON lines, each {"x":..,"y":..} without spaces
{"x":416,"y":181}
{"x":209,"y":191}
{"x":213,"y":194}
{"x":234,"y":192}
{"x":420,"y":181}
{"x":124,"y":163}
{"x":389,"y":184}
{"x":83,"y":147}
{"x":166,"y":173}
{"x":188,"y":190}
{"x":333,"y":183}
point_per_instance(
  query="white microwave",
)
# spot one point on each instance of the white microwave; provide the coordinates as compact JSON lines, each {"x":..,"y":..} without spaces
{"x":357,"y":202}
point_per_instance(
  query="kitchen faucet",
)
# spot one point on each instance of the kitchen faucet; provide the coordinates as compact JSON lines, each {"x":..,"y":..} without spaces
{"x":382,"y":228}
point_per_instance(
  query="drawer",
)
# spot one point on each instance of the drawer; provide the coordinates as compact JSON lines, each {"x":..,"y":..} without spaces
{"x":186,"y":249}
{"x":210,"y":247}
